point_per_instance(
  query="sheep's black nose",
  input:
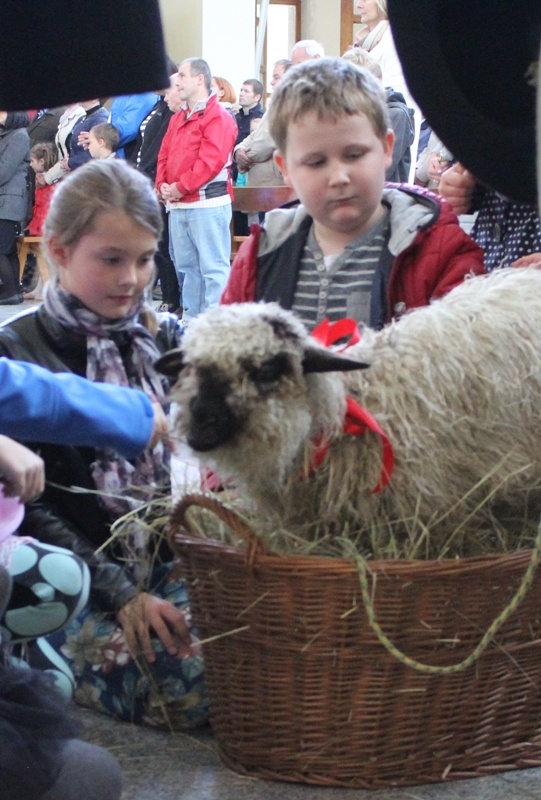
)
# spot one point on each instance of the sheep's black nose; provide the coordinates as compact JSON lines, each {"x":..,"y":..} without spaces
{"x":211,"y":423}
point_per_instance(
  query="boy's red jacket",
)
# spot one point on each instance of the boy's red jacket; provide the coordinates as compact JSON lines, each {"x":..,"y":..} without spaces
{"x":431,"y":253}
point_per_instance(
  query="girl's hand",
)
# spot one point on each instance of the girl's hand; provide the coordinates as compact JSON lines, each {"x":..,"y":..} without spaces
{"x":160,"y":428}
{"x":21,"y":471}
{"x":145,"y":613}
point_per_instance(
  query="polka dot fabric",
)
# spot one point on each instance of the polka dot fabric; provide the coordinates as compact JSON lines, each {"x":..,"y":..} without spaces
{"x":506,"y":231}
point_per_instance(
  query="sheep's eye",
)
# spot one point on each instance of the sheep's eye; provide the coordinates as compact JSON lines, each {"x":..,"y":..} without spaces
{"x":270,"y":370}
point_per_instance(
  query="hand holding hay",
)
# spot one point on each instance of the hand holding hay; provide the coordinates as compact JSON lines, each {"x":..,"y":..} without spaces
{"x":146,"y":613}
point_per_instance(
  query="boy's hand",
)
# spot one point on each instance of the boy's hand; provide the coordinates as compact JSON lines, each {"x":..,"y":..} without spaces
{"x":21,"y":471}
{"x":456,"y":186}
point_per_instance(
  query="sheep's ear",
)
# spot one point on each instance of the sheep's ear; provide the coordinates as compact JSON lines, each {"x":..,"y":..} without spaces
{"x":316,"y":359}
{"x":170,"y":363}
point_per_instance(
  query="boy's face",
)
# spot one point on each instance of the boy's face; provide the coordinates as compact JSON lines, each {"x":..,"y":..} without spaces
{"x":337,"y":170}
{"x":93,"y":144}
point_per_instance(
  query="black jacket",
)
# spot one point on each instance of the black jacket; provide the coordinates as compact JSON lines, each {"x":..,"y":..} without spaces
{"x":75,"y":522}
{"x":148,"y":146}
{"x":404,"y":130}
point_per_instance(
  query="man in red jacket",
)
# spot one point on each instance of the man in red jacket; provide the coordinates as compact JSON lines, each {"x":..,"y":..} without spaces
{"x":193,"y":180}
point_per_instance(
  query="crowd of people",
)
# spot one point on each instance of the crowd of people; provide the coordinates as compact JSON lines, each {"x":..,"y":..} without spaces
{"x":139,"y":196}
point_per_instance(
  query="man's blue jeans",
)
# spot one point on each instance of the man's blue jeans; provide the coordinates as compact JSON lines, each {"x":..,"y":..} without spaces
{"x":200,"y":246}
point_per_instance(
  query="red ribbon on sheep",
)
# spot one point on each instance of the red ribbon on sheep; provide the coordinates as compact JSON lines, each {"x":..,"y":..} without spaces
{"x":357,"y":419}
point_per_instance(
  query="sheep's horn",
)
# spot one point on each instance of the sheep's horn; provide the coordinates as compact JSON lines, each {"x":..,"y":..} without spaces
{"x":170,"y":363}
{"x":317,"y":359}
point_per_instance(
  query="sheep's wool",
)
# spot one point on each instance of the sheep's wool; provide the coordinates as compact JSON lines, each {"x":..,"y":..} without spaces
{"x":456,"y":386}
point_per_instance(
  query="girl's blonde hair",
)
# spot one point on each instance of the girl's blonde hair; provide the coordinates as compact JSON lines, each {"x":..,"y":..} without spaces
{"x":100,"y":185}
{"x":330,"y":88}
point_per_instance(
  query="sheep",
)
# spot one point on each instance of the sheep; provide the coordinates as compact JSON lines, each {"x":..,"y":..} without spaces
{"x":456,"y":386}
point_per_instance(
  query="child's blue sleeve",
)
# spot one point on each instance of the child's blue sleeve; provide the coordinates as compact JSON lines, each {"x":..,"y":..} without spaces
{"x":61,"y":408}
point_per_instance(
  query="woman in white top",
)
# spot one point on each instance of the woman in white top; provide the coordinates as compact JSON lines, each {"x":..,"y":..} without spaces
{"x":377,"y":38}
{"x":71,"y":115}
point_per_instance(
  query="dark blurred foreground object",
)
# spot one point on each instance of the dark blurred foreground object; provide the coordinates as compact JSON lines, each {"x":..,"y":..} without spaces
{"x":59,"y":51}
{"x":472,"y":68}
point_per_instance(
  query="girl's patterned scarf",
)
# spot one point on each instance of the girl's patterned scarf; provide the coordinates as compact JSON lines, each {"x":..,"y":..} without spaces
{"x":123,"y":485}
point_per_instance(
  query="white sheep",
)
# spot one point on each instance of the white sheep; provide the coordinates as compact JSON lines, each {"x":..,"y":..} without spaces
{"x":456,"y":386}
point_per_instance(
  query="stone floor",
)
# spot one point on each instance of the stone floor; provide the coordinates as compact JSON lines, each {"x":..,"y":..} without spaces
{"x":164,"y":766}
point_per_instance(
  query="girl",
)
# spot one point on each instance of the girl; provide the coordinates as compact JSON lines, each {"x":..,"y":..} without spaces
{"x":43,"y":156}
{"x":131,"y":649}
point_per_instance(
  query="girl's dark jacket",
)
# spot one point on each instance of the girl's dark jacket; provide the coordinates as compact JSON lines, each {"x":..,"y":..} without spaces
{"x":73,"y":521}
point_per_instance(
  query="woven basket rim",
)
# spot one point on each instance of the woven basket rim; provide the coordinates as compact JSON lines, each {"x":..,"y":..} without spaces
{"x":518,"y":559}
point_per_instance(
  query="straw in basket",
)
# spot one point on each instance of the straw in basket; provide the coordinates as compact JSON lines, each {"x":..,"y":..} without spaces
{"x":308,"y":681}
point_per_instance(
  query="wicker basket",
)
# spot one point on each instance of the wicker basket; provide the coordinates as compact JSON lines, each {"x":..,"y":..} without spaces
{"x":301,"y":688}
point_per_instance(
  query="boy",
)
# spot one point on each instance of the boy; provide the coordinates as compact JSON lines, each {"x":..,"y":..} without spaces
{"x":353,"y":247}
{"x":103,"y":140}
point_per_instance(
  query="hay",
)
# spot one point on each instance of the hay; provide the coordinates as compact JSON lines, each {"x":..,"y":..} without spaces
{"x":386,"y":537}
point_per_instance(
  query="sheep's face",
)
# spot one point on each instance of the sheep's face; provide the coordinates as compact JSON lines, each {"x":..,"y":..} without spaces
{"x":242,"y":385}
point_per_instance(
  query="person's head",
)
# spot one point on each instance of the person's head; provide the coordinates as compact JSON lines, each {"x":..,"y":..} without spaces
{"x":365,"y":60}
{"x":250,"y":93}
{"x":101,"y":233}
{"x":43,"y":156}
{"x":172,"y":69}
{"x":103,"y":140}
{"x":172,"y":95}
{"x":306,"y":50}
{"x":330,"y":123}
{"x":279,"y":70}
{"x":224,"y":91}
{"x":194,"y":80}
{"x":372,"y":12}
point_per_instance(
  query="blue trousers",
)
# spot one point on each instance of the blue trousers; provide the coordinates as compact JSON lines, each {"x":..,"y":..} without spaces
{"x":200,"y":246}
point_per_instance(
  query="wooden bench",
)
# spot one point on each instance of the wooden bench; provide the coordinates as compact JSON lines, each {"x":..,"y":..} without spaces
{"x":26,"y":245}
{"x":255,"y":199}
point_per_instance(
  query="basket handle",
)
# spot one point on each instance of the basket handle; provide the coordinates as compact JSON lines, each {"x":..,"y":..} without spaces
{"x":254,"y":545}
{"x":486,"y":639}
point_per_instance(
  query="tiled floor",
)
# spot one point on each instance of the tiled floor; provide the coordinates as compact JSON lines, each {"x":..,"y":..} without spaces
{"x":163,"y":766}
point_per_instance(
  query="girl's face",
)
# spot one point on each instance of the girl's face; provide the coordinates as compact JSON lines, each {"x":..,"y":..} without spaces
{"x":108,"y":268}
{"x":37,"y":164}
